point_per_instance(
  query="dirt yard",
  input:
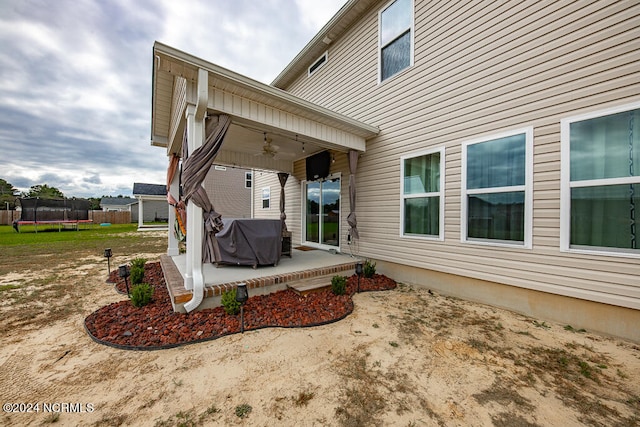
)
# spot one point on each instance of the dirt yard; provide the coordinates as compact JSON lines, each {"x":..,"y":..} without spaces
{"x":405,"y":357}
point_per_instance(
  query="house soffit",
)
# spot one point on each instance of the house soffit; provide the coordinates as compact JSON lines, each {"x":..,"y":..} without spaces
{"x":253,"y":106}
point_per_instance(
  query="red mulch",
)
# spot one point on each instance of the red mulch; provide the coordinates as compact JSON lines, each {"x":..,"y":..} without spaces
{"x":156,"y":325}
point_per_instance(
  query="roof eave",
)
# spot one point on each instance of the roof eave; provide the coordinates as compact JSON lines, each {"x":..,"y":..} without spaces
{"x":357,"y":127}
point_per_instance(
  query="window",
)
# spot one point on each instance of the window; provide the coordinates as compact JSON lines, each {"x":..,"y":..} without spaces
{"x":248,"y":179}
{"x":318,"y":64}
{"x":601,"y":181}
{"x":422,"y":194}
{"x":266,"y":197}
{"x":497,"y":175}
{"x":396,"y":38}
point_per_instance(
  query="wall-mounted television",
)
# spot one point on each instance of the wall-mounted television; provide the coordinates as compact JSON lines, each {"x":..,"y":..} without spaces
{"x":318,"y":166}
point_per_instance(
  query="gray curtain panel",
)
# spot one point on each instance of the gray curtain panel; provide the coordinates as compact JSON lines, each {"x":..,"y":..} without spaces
{"x":195,"y":169}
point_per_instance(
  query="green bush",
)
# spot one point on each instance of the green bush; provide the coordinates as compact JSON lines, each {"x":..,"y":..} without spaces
{"x":141,"y":294}
{"x":137,"y":275}
{"x":229,"y":303}
{"x":369,"y":269}
{"x":339,"y":285}
{"x":137,"y":270}
{"x":138,"y":262}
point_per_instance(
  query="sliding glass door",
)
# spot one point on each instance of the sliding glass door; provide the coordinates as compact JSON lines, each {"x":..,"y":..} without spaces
{"x":322,"y":207}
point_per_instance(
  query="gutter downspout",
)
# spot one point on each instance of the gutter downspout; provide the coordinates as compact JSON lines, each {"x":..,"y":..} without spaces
{"x":195,"y":220}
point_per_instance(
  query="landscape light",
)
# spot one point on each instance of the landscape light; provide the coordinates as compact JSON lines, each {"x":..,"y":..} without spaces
{"x":123,"y":271}
{"x":108,"y":255}
{"x":242,"y":295}
{"x":359,"y":271}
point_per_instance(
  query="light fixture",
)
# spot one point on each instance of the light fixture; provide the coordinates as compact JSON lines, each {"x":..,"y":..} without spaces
{"x":123,"y":271}
{"x":108,"y":255}
{"x":359,"y":271}
{"x":242,"y":295}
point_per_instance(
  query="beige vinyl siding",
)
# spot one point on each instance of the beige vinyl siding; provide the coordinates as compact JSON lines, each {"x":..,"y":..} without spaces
{"x":482,"y":68}
{"x":292,"y":200}
{"x":227,"y":192}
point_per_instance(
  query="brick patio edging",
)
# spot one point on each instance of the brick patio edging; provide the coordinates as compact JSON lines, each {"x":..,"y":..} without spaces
{"x":179,"y":295}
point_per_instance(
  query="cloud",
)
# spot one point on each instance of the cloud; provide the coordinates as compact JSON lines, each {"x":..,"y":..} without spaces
{"x":75,"y":78}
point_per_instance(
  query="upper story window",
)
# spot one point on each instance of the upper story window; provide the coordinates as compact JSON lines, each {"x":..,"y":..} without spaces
{"x":248,"y":179}
{"x":422,"y":194}
{"x":497,"y":200}
{"x":600,"y":184}
{"x":318,"y":63}
{"x":396,"y":38}
{"x":266,"y":197}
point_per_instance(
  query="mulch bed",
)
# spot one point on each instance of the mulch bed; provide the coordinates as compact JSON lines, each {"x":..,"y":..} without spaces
{"x":157,"y":326}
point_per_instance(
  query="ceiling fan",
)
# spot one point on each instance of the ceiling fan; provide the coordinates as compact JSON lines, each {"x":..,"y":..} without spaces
{"x":271,"y":150}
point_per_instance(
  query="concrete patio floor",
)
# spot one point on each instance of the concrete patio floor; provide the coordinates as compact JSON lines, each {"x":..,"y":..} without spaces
{"x":263,"y":279}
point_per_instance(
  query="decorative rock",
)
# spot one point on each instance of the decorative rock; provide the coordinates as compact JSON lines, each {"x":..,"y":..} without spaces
{"x":157,"y":325}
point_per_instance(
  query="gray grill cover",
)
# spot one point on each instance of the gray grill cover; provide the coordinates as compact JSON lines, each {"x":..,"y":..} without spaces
{"x":250,"y":242}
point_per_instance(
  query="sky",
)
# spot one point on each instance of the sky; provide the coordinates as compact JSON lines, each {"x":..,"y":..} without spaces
{"x":75,"y":79}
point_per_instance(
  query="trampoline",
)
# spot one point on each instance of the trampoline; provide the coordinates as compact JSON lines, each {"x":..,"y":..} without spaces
{"x":52,"y":213}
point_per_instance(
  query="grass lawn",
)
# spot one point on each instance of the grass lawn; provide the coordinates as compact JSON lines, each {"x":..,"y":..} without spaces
{"x":46,"y":276}
{"x":47,"y":248}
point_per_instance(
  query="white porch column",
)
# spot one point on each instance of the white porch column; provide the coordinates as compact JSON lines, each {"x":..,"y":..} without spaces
{"x":140,"y":212}
{"x":172,"y":248}
{"x":194,"y":277}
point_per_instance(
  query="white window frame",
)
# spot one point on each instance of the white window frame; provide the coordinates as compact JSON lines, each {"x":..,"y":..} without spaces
{"x":566,"y":185}
{"x":303,"y":215}
{"x":440,"y":194}
{"x":325,"y":55}
{"x":266,"y":195}
{"x":380,"y":46}
{"x":248,"y":179}
{"x":527,"y":188}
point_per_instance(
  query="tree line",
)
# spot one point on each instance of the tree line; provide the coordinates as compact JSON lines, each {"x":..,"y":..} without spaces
{"x":9,"y":194}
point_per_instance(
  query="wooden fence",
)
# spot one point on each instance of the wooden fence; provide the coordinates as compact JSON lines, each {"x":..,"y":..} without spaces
{"x":98,"y":217}
{"x":7,"y":217}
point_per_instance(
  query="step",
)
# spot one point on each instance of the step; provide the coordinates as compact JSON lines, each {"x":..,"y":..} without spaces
{"x":311,"y":284}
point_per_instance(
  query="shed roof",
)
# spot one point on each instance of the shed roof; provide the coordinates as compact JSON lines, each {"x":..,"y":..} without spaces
{"x":117,"y":201}
{"x":142,"y":189}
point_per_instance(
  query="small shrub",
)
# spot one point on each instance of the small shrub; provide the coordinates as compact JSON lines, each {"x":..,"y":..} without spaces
{"x":243,"y":410}
{"x":137,"y":275}
{"x":339,"y":285}
{"x":138,"y":262}
{"x":137,"y":270}
{"x":229,"y":303}
{"x":369,"y":269}
{"x":141,"y":294}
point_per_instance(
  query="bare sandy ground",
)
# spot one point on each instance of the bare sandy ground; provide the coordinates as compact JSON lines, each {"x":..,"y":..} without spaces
{"x":403,"y":358}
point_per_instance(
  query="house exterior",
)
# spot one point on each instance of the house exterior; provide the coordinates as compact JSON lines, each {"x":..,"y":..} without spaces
{"x":229,"y":189}
{"x":498,"y":147}
{"x":152,"y":203}
{"x":117,"y":204}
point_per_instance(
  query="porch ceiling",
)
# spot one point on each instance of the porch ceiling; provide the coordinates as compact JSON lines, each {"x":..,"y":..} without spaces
{"x":288,"y":121}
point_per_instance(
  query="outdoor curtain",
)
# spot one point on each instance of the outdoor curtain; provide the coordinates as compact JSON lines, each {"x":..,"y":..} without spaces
{"x":351,"y":218}
{"x":195,"y":169}
{"x":282,"y":177}
{"x":181,"y":214}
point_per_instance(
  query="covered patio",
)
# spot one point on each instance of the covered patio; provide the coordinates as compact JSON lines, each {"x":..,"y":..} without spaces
{"x":303,"y":266}
{"x":202,"y":110}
